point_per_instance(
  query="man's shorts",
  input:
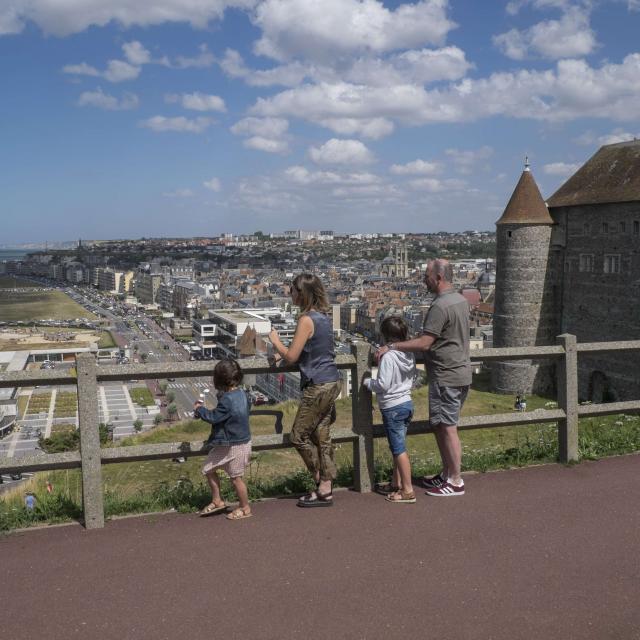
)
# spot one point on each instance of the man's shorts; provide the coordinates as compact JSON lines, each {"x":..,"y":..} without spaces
{"x":396,"y":420}
{"x":445,"y":403}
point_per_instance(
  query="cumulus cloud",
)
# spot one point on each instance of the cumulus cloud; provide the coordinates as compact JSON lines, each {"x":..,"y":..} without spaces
{"x":466,"y":161}
{"x":213,"y":184}
{"x":82,"y":69}
{"x":560,"y":168}
{"x":266,"y":144}
{"x":435,"y":185}
{"x":301,"y":175}
{"x":287,"y":75}
{"x":416,"y":167}
{"x":201,"y":61}
{"x":135,"y":53}
{"x":106,"y":101}
{"x":617,"y":135}
{"x":336,"y":151}
{"x":568,"y":37}
{"x":64,"y":18}
{"x":266,"y":134}
{"x":180,"y":124}
{"x":197,"y":101}
{"x":332,"y":29}
{"x":117,"y":70}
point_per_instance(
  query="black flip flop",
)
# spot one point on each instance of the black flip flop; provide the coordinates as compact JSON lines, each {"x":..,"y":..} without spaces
{"x":317,"y":500}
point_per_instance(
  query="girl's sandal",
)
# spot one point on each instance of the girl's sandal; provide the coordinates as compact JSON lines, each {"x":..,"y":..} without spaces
{"x":385,"y":488}
{"x":210,"y":509}
{"x":238,"y":514}
{"x":399,"y":497}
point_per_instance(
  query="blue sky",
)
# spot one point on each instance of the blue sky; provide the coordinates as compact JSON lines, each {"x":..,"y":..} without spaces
{"x":197,"y":117}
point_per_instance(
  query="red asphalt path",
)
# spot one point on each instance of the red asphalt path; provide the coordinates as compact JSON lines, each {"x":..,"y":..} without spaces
{"x":544,"y":552}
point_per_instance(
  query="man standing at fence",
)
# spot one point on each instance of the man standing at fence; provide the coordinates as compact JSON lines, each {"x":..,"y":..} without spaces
{"x":445,"y":343}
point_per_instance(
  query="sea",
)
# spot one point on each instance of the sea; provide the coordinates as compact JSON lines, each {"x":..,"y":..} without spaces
{"x":13,"y":254}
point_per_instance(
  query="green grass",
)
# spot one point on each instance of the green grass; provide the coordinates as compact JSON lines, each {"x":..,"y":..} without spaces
{"x":41,"y":305}
{"x":106,"y":340}
{"x":142,"y":396}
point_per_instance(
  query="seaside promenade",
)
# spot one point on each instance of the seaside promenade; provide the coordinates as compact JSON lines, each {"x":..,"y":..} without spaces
{"x":542,"y":552}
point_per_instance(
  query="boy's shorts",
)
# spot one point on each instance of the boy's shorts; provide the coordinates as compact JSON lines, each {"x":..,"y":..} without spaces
{"x":445,"y":403}
{"x":396,"y":420}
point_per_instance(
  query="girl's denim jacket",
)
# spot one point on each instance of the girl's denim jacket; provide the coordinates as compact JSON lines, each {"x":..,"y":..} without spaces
{"x":229,"y":420}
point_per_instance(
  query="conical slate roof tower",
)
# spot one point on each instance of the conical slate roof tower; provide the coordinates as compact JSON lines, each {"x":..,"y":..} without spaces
{"x":525,"y":311}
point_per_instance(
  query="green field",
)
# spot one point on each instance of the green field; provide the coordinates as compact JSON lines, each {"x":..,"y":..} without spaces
{"x":9,"y":282}
{"x":40,"y":305}
{"x":141,"y":396}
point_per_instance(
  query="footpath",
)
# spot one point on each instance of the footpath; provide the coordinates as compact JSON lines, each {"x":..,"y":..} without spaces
{"x":545,"y":552}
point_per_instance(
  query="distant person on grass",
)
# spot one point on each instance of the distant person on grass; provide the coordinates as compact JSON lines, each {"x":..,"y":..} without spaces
{"x":396,"y":373}
{"x":230,"y":439}
{"x":312,"y":348}
{"x":445,"y":343}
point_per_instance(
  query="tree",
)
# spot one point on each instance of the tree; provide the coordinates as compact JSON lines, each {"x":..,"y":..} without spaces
{"x":157,"y":419}
{"x":171,"y":396}
{"x":172,"y":410}
{"x":163,"y":387}
{"x":137,"y":425}
{"x":144,"y":356}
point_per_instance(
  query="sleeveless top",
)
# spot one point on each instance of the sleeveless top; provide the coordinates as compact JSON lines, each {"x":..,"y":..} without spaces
{"x":317,"y":361}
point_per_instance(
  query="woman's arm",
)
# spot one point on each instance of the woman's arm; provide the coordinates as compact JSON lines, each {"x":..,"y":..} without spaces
{"x":304,"y":331}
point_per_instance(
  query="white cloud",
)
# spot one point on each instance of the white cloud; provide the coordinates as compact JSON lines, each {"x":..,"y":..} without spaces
{"x":633,"y":5}
{"x":266,"y":127}
{"x":162,"y":124}
{"x":106,"y":101}
{"x":416,"y":167}
{"x":467,"y":161}
{"x":213,"y":184}
{"x":266,"y":144}
{"x":435,"y":185}
{"x":82,"y":69}
{"x":331,"y":29}
{"x":179,"y":193}
{"x":570,"y":36}
{"x":197,"y":101}
{"x":64,"y":18}
{"x":135,"y":53}
{"x":201,"y":61}
{"x":287,"y":75}
{"x":617,"y":135}
{"x":336,"y":151}
{"x":119,"y":71}
{"x":560,"y":169}
{"x":374,"y":128}
{"x":301,"y":175}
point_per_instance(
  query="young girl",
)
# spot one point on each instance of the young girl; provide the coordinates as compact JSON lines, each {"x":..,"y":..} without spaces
{"x":396,"y":373}
{"x":313,"y":349}
{"x":230,"y":437}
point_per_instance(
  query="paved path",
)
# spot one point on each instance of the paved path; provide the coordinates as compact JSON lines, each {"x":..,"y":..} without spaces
{"x":547,"y":552}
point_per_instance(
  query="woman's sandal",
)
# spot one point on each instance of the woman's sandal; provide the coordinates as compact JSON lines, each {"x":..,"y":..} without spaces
{"x":210,"y":509}
{"x":400,"y":497}
{"x":385,"y":488}
{"x":316,"y":499}
{"x":238,"y":514}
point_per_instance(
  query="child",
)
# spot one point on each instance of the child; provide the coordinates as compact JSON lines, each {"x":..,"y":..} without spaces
{"x":230,"y":437}
{"x":396,"y":373}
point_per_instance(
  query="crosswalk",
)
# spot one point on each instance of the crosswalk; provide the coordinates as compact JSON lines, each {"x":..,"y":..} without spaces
{"x":185,"y":385}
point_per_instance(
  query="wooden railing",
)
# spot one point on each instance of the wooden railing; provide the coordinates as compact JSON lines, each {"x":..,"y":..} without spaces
{"x":91,"y":456}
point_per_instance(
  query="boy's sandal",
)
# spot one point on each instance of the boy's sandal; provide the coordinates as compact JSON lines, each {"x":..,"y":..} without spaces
{"x":385,"y":488}
{"x":210,"y":509}
{"x":400,"y":497}
{"x":238,"y":514}
{"x":316,"y":500}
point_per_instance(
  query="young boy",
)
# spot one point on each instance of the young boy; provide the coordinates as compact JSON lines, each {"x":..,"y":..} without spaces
{"x":396,"y":373}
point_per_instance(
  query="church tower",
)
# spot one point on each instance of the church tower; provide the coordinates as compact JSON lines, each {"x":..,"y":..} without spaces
{"x":525,"y":311}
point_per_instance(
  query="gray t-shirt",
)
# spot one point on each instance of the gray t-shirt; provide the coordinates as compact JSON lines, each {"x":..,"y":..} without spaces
{"x":448,"y":359}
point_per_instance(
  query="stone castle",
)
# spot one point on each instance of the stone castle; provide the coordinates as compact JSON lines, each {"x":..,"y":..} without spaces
{"x":572,"y":265}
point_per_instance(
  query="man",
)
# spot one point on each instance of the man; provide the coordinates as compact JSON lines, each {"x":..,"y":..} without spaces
{"x":445,"y":343}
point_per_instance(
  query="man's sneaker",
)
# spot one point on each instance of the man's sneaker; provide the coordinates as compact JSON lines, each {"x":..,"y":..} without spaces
{"x":446,"y":490}
{"x":433,"y":481}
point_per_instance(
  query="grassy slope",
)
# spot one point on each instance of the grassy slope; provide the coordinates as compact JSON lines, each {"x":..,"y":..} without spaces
{"x":41,"y":305}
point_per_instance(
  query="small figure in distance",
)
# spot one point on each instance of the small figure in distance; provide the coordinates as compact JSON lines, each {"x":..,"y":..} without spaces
{"x":517,"y":405}
{"x":396,"y":374}
{"x":230,"y":439}
{"x":523,"y":404}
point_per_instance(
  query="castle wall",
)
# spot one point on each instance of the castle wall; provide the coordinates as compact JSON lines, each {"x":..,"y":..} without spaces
{"x":527,"y":297}
{"x":598,"y":306}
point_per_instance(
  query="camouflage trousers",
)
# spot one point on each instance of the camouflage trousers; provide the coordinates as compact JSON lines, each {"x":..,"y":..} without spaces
{"x":310,"y":434}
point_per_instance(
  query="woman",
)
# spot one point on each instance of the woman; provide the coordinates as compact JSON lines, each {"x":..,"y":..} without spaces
{"x":312,"y":348}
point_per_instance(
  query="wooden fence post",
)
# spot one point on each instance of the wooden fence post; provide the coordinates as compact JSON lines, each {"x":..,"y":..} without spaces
{"x":362,"y":417}
{"x":568,"y":399}
{"x":92,"y":498}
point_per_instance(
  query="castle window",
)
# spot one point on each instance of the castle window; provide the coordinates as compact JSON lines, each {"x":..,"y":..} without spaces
{"x":586,"y":262}
{"x":605,"y":227}
{"x":612,"y":263}
{"x":636,"y":227}
{"x":623,"y":227}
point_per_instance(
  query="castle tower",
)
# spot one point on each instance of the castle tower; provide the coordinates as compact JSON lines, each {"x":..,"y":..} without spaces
{"x":525,"y":312}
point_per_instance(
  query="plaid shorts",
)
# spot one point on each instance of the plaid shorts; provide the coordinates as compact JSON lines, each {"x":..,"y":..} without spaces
{"x":233,"y":459}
